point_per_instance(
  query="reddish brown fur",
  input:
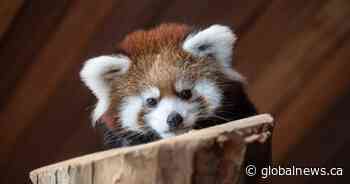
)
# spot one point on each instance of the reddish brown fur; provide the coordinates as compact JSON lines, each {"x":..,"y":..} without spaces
{"x":157,"y":59}
{"x":146,"y":42}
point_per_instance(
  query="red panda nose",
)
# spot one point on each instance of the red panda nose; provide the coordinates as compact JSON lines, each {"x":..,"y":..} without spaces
{"x":174,"y":120}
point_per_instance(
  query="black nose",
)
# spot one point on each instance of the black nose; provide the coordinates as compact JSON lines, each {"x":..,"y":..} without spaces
{"x":174,"y":120}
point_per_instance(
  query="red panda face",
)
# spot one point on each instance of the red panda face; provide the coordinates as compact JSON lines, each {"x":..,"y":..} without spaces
{"x":170,"y":115}
{"x":170,"y":79}
{"x":167,"y":92}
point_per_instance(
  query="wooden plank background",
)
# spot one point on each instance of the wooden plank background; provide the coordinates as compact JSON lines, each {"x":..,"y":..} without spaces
{"x":295,"y":54}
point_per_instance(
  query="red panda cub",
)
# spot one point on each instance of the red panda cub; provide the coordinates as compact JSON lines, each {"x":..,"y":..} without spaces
{"x":166,"y":81}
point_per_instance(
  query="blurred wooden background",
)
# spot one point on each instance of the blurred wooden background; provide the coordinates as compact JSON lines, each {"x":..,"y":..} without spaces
{"x":295,"y":54}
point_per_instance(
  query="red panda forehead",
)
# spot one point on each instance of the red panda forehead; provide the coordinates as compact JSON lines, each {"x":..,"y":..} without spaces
{"x":151,"y":41}
{"x":163,"y":71}
{"x":169,"y":71}
{"x":157,"y":59}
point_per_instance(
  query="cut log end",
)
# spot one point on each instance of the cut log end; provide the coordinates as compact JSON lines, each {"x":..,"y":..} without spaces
{"x":211,"y":155}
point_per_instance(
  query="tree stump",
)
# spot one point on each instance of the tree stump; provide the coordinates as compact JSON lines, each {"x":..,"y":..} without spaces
{"x":207,"y":156}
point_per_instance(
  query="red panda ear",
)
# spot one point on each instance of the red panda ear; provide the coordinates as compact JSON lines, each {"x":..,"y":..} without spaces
{"x":216,"y":41}
{"x":96,"y":73}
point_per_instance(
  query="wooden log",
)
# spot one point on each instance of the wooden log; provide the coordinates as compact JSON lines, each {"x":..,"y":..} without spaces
{"x":211,"y":155}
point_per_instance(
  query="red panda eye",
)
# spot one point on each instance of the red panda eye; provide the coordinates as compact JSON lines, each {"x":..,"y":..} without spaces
{"x":185,"y":94}
{"x":151,"y":102}
{"x":203,"y":47}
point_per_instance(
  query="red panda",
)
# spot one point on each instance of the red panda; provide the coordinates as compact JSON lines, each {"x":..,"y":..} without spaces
{"x":166,"y":81}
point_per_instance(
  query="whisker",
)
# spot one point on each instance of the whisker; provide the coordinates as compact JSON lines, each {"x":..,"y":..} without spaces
{"x":219,"y":117}
{"x":226,"y":112}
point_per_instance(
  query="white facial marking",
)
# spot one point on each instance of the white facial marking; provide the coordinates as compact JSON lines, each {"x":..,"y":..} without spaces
{"x":182,"y":85}
{"x":157,"y":118}
{"x":208,"y":90}
{"x":129,"y":112}
{"x":151,"y":92}
{"x":92,"y":74}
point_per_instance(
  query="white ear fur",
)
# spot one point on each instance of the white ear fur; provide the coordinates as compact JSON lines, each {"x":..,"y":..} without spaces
{"x":216,"y":41}
{"x":93,"y":75}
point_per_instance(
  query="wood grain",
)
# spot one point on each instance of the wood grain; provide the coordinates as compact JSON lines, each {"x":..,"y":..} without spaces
{"x":211,"y":155}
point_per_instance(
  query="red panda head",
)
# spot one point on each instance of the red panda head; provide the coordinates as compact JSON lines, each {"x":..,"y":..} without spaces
{"x":165,"y":79}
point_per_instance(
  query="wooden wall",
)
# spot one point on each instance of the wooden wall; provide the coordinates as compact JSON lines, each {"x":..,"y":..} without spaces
{"x":295,"y":54}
